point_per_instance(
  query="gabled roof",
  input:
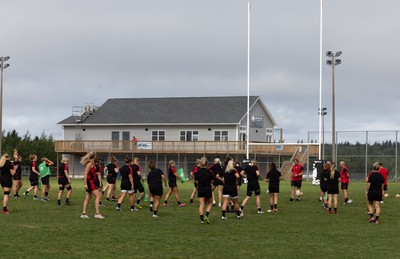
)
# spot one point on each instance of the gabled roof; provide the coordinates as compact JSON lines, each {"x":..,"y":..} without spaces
{"x":171,"y":110}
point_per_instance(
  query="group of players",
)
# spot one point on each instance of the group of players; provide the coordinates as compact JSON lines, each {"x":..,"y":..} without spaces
{"x":225,"y":177}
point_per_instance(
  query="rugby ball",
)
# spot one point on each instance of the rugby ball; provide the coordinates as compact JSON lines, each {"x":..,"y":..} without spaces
{"x":386,"y":195}
{"x":298,"y":192}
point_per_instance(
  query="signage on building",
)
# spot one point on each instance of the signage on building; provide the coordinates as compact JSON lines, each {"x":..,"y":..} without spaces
{"x":257,"y":121}
{"x":144,"y":145}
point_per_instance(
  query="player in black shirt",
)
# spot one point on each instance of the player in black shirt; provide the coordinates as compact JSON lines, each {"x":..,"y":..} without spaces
{"x":112,"y":171}
{"x":7,"y":171}
{"x":17,"y":183}
{"x":229,"y":177}
{"x":239,"y":169}
{"x":252,"y":173}
{"x":173,"y":187}
{"x":33,"y":177}
{"x":323,"y":185}
{"x":155,"y":179}
{"x":332,"y":180}
{"x":137,"y":180}
{"x":273,"y":177}
{"x":127,"y":185}
{"x":64,"y":182}
{"x":216,"y":168}
{"x":204,"y":179}
{"x":197,"y":167}
{"x":375,"y":190}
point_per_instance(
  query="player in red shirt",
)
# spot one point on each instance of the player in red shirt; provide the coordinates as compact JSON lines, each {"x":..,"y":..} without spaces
{"x":297,"y":179}
{"x":345,"y":176}
{"x":197,"y":167}
{"x":385,"y":173}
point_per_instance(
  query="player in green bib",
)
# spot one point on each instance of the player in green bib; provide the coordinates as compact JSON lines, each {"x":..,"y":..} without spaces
{"x":44,"y":169}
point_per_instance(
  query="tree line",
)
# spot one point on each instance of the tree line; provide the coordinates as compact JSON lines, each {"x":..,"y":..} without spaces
{"x":26,"y":145}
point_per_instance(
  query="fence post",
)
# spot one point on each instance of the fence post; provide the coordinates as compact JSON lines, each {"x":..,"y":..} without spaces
{"x":366,"y":154}
{"x":395,"y":160}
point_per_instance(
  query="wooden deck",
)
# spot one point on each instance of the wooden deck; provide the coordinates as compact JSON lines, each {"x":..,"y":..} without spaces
{"x":177,"y":147}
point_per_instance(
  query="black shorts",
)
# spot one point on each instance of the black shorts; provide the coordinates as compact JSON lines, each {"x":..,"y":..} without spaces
{"x":126,"y":186}
{"x":17,"y":177}
{"x":273,"y":188}
{"x":156,"y":190}
{"x":139,"y":187}
{"x":240,"y":181}
{"x":296,"y":183}
{"x":385,"y":187}
{"x":217,"y":182}
{"x":344,"y":186}
{"x":92,"y":186}
{"x":333,"y":190}
{"x":45,"y":180}
{"x":111,"y":179}
{"x":63,"y":181}
{"x":374,"y":196}
{"x":34,"y":180}
{"x":6,"y":182}
{"x":323,"y":187}
{"x":172,"y":184}
{"x":204,"y":192}
{"x":253,"y":187}
{"x":230,"y":191}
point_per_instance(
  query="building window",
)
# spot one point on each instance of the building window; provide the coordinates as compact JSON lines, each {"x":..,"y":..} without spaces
{"x":221,"y":135}
{"x":189,"y":135}
{"x":158,"y":135}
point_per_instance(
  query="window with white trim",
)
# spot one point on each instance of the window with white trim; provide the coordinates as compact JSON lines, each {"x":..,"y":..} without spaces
{"x":221,"y":135}
{"x":158,"y":135}
{"x":269,"y":135}
{"x":189,"y":135}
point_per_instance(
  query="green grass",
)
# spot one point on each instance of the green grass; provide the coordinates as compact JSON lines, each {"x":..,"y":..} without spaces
{"x":35,"y":229}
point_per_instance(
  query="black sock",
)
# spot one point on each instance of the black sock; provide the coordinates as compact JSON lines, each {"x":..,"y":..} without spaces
{"x":259,"y":209}
{"x":242,"y":207}
{"x":138,"y":201}
{"x":330,"y":209}
{"x":132,"y":207}
{"x":371,"y":215}
{"x":207,"y":213}
{"x":202,"y":217}
{"x":223,"y":213}
{"x":377,"y":217}
{"x":238,"y":213}
{"x":335,"y":209}
{"x":272,"y":207}
{"x":26,"y":192}
{"x":152,"y":202}
{"x":58,"y":201}
{"x":165,"y":202}
{"x":35,"y":196}
{"x":119,"y":205}
{"x":179,"y":202}
{"x":67,"y":200}
{"x":155,"y":212}
{"x":108,"y":199}
{"x":46,"y":194}
{"x":191,"y":200}
{"x":4,"y":208}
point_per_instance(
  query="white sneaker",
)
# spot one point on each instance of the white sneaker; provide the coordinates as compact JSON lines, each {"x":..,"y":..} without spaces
{"x":269,"y":211}
{"x":99,"y":216}
{"x":118,"y":208}
{"x":260,"y":212}
{"x":241,"y":213}
{"x":135,"y":209}
{"x":155,"y":216}
{"x":239,"y":217}
{"x":219,"y":204}
{"x":84,"y":216}
{"x":224,"y":218}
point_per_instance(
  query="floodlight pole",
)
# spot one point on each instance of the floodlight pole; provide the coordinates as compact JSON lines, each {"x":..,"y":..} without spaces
{"x":248,"y":80}
{"x":320,"y":81}
{"x":2,"y":67}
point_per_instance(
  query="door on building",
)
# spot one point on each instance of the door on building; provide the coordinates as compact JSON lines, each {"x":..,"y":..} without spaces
{"x":115,"y":139}
{"x":126,"y":137}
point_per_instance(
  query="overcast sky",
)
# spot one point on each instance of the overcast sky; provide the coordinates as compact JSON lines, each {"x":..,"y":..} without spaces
{"x":67,"y":53}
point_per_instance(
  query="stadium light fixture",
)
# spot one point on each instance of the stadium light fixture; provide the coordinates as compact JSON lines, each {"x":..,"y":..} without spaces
{"x":2,"y":67}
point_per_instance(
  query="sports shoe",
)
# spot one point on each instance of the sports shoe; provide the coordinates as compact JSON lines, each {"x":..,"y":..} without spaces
{"x":320,"y":199}
{"x":241,"y":213}
{"x":214,"y":203}
{"x":35,"y":198}
{"x":58,"y":203}
{"x":155,"y":216}
{"x":68,"y":203}
{"x":182,"y":205}
{"x":224,"y":218}
{"x":138,"y":206}
{"x":298,"y":199}
{"x":165,"y":204}
{"x":260,"y":212}
{"x":219,"y":204}
{"x":291,"y":199}
{"x":102,"y":205}
{"x":376,"y":222}
{"x":25,"y":195}
{"x":99,"y":216}
{"x":43,"y":199}
{"x":84,"y":216}
{"x":206,"y":220}
{"x":275,"y":210}
{"x":118,"y":208}
{"x":269,"y":211}
{"x":371,"y":220}
{"x":238,"y":217}
{"x":202,"y":222}
{"x":5,"y":211}
{"x":16,"y":196}
{"x":344,"y":203}
{"x":134,"y":209}
{"x":330,"y":212}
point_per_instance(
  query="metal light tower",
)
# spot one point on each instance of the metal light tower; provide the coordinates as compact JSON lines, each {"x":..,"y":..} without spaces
{"x":2,"y":67}
{"x":333,"y":61}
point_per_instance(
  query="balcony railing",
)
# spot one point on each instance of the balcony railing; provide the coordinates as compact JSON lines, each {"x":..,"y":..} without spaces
{"x":175,"y":147}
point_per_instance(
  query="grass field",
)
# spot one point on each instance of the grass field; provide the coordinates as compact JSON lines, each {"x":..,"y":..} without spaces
{"x":36,"y":229}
